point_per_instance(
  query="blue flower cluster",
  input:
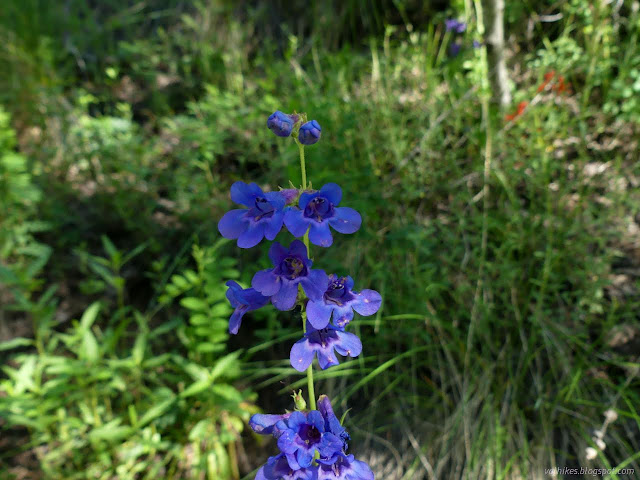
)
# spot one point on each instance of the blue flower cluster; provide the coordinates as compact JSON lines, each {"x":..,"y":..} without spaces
{"x":313,"y":444}
{"x":456,"y":27}
{"x":304,"y":436}
{"x":266,"y":212}
{"x":283,"y":124}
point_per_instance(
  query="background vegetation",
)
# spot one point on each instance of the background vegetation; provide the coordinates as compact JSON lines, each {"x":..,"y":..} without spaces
{"x":122,"y":126}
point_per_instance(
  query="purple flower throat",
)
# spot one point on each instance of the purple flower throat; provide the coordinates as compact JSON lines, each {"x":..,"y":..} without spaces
{"x":337,"y":293}
{"x":319,"y":208}
{"x":262,"y":209}
{"x":292,"y":268}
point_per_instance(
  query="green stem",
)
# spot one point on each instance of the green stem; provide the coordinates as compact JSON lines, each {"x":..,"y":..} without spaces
{"x":312,"y":395}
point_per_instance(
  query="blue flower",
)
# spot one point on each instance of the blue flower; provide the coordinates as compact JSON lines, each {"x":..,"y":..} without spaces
{"x":453,"y":25}
{"x":454,"y":49}
{"x":331,"y":422}
{"x":280,"y":123}
{"x":302,"y":435}
{"x":265,"y":424}
{"x":344,"y":467}
{"x":323,"y":342}
{"x":263,"y":218}
{"x":340,"y":301}
{"x":243,"y":300}
{"x":277,"y":468}
{"x":309,"y":133}
{"x":291,"y":267}
{"x":317,"y":211}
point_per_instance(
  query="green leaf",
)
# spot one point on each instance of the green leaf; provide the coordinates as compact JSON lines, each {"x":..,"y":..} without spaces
{"x":111,"y":432}
{"x":155,"y":411}
{"x":224,"y":364}
{"x":196,"y":388}
{"x":15,"y":343}
{"x":200,"y":430}
{"x":227,"y":392}
{"x":89,"y":346}
{"x":196,"y":304}
{"x":89,"y":315}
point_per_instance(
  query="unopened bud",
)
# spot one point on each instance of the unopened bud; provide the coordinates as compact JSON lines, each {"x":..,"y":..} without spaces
{"x":299,"y":400}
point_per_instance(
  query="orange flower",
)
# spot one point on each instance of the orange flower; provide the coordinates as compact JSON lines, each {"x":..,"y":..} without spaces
{"x":560,"y":86}
{"x":521,"y":108}
{"x":547,"y":79}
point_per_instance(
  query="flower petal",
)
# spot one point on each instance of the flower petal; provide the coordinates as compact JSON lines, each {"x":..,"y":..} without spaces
{"x":296,"y":419}
{"x":233,"y":223}
{"x":318,"y":313}
{"x":254,"y":299}
{"x":233,"y":293}
{"x":324,"y":407}
{"x":264,"y":424}
{"x":367,"y":302}
{"x":332,"y":192}
{"x":315,"y":284}
{"x":295,"y":222}
{"x":346,"y":220}
{"x":305,"y":457}
{"x":277,"y":253}
{"x":274,"y":225}
{"x":266,"y":282}
{"x":320,"y":234}
{"x":348,"y":344}
{"x":342,"y":316}
{"x":286,"y":441}
{"x":361,"y":470}
{"x":252,"y":236}
{"x":276,"y":199}
{"x":260,"y":474}
{"x":305,"y":198}
{"x":315,"y":418}
{"x":327,"y":357}
{"x":298,"y":248}
{"x":285,"y":299}
{"x":301,"y":355}
{"x":236,"y":319}
{"x":349,"y":283}
{"x":245,"y":194}
{"x":329,"y":445}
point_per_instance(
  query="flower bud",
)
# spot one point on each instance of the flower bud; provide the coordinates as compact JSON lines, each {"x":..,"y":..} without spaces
{"x":290,"y":195}
{"x":299,"y":400}
{"x":309,"y":133}
{"x":280,"y":123}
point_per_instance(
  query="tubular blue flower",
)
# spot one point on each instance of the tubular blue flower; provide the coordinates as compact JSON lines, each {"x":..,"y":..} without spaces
{"x":344,"y":467}
{"x":277,"y":468}
{"x":317,"y":211}
{"x":331,"y":422}
{"x":243,"y":300}
{"x":263,"y":218}
{"x":265,"y":424}
{"x":291,"y":267}
{"x":323,"y":342}
{"x":280,"y":123}
{"x":340,"y":301}
{"x":302,"y":435}
{"x":454,"y":49}
{"x":309,"y":133}
{"x":453,"y":25}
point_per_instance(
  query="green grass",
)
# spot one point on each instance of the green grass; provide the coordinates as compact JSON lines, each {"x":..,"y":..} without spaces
{"x":492,"y":356}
